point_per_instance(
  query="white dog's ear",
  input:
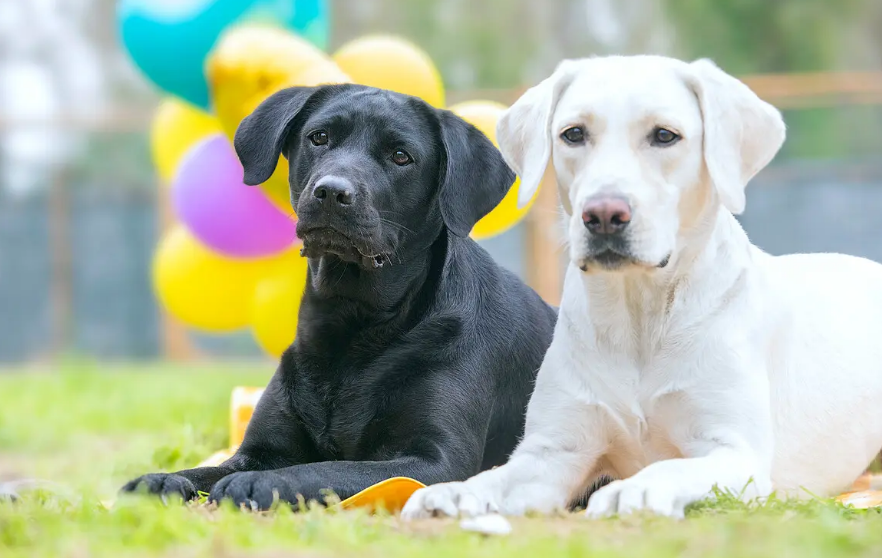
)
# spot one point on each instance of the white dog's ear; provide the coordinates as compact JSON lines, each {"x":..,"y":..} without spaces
{"x":742,"y":133}
{"x":524,"y":130}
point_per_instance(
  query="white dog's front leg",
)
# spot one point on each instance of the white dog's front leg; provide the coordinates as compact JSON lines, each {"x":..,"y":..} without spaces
{"x":564,"y":438}
{"x":720,"y":421}
{"x":667,"y":487}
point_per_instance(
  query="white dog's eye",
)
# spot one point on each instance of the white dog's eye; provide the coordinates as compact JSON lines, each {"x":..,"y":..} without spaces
{"x":573,"y":135}
{"x":663,"y":137}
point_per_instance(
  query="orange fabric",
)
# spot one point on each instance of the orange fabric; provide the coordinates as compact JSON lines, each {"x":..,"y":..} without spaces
{"x":242,"y":404}
{"x":390,"y":494}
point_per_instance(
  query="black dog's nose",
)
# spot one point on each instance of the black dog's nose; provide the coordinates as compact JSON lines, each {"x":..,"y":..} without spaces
{"x":333,"y":189}
{"x":605,"y":215}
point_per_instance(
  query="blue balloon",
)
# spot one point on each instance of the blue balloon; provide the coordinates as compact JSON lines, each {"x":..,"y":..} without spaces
{"x":170,"y":39}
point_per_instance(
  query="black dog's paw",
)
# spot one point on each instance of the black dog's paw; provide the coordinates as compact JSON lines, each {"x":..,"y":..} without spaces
{"x":162,"y":484}
{"x":256,"y":490}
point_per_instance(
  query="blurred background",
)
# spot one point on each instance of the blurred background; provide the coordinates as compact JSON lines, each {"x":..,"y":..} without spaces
{"x":83,"y":209}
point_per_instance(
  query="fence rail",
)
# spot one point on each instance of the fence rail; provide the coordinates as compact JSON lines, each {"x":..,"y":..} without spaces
{"x":803,"y":90}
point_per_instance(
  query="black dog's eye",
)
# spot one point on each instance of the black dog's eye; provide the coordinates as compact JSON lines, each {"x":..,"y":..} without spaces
{"x":664,"y":137}
{"x":401,"y":158}
{"x":574,"y":135}
{"x":319,"y":138}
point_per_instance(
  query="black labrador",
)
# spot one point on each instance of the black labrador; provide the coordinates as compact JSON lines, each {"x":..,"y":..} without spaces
{"x":415,"y":353}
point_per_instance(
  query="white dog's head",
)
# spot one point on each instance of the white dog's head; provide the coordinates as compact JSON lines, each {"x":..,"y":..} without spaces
{"x":643,"y":147}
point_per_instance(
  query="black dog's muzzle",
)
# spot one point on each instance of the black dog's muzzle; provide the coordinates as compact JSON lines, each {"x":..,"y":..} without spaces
{"x":332,"y":219}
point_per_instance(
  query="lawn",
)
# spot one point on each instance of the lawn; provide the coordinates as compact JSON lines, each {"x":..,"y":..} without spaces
{"x":87,"y":429}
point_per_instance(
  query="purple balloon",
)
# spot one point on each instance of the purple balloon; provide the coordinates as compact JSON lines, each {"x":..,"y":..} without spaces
{"x":226,"y":215}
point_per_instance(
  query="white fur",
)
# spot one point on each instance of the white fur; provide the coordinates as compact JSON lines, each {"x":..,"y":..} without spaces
{"x":728,"y":367}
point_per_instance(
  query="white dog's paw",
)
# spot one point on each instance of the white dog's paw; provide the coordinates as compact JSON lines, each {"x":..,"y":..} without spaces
{"x":452,"y":499}
{"x":541,"y":498}
{"x":622,"y":497}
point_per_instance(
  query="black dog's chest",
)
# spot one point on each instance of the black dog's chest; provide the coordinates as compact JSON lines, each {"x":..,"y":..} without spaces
{"x":357,"y":402}
{"x":337,"y":412}
{"x":353,"y":400}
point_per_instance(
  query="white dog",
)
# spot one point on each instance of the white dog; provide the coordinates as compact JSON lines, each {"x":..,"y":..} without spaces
{"x":684,"y":358}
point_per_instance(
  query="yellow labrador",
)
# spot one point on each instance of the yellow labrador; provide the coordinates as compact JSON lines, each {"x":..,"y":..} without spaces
{"x":684,"y":358}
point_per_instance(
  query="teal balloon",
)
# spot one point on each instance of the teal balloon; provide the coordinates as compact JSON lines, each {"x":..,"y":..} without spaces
{"x":308,"y":18}
{"x":169,"y":40}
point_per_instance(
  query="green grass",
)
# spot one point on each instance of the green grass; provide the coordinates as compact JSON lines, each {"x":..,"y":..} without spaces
{"x":88,"y":430}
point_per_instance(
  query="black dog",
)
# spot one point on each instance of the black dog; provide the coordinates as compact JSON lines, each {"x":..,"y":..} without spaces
{"x":415,"y":353}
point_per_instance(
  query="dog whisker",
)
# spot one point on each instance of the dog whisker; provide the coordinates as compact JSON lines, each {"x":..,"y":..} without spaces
{"x":342,"y":273}
{"x":397,"y":225}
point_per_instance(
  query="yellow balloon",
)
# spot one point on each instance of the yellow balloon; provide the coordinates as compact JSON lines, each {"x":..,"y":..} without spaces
{"x":250,"y":63}
{"x":484,"y":115}
{"x":176,"y":127}
{"x":392,"y":63}
{"x":323,"y":73}
{"x":275,"y":306}
{"x":206,"y":290}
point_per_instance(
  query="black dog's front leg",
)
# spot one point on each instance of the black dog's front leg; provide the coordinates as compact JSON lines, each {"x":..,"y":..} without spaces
{"x":429,"y":447}
{"x":259,"y":489}
{"x":274,"y":439}
{"x":187,"y":483}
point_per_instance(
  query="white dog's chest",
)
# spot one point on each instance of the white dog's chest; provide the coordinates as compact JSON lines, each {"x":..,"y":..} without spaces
{"x":645,"y":377}
{"x":642,"y":431}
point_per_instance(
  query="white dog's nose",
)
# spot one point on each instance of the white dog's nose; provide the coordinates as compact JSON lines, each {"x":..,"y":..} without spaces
{"x":606,"y":215}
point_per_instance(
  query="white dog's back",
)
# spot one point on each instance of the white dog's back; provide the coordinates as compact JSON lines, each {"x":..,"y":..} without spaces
{"x":832,"y":382}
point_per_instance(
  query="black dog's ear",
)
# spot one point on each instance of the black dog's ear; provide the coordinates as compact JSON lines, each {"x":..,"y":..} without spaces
{"x":476,"y":177}
{"x":261,"y":136}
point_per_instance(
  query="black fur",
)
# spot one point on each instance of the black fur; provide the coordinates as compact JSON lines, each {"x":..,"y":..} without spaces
{"x":415,"y":353}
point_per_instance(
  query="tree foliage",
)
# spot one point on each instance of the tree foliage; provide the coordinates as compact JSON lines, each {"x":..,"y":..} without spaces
{"x":758,"y":36}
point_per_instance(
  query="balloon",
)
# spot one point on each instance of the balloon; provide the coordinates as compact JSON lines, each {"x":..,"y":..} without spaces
{"x":169,"y":39}
{"x":223,"y":213}
{"x":308,"y":18}
{"x":275,"y":307}
{"x":484,"y":115}
{"x":392,"y":63}
{"x":250,"y":63}
{"x":176,"y":127}
{"x":326,"y":73}
{"x":204,"y":289}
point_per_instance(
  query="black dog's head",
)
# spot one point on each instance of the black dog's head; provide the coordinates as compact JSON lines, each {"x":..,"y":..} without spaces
{"x":372,"y":173}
